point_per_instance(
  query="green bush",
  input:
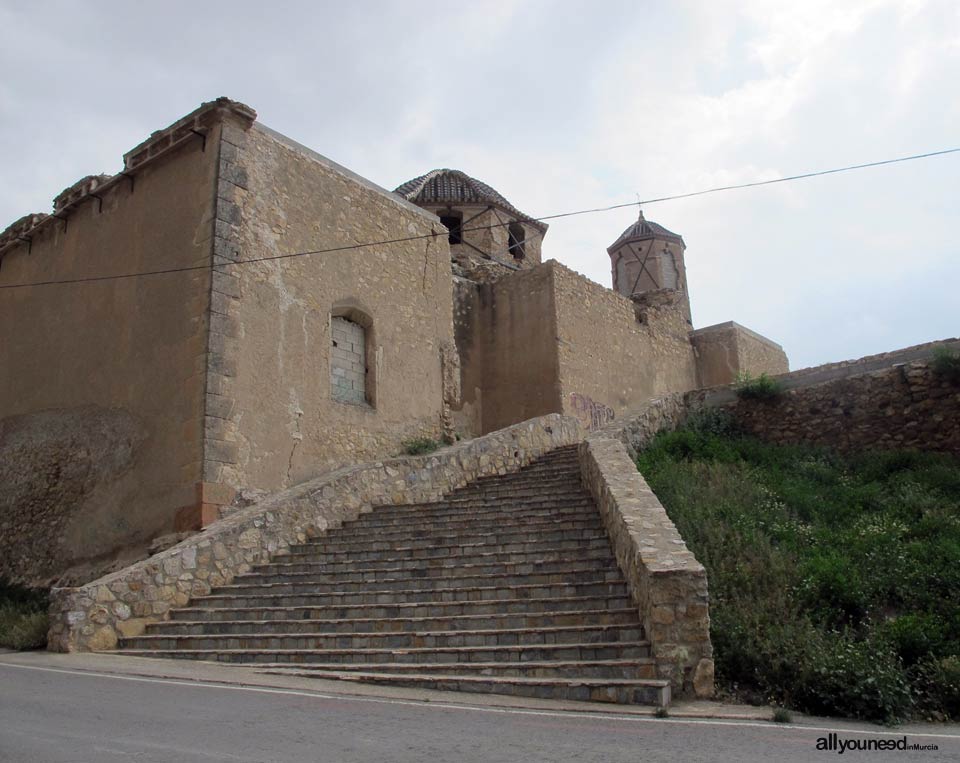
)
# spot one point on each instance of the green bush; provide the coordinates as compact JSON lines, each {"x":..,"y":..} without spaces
{"x":419,"y":446}
{"x":23,"y":617}
{"x":762,"y":387}
{"x":855,"y":678}
{"x":781,"y":715}
{"x":946,"y":363}
{"x":833,"y":578}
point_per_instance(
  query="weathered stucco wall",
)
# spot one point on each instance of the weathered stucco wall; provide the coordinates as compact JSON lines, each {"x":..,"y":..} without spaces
{"x":115,"y":367}
{"x":728,"y":349}
{"x":277,"y":422}
{"x":470,"y":348}
{"x":517,"y":329}
{"x":610,"y":361}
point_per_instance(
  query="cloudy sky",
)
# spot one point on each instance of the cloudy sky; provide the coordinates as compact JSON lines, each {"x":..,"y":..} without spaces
{"x":561,"y":105}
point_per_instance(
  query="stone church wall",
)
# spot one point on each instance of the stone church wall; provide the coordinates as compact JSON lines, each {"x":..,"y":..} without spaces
{"x":277,"y":420}
{"x":728,"y":349}
{"x":549,"y":340}
{"x":101,"y":383}
{"x":610,"y":356}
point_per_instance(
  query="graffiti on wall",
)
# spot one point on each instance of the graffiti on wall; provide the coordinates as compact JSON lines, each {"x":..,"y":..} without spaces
{"x":593,"y":414}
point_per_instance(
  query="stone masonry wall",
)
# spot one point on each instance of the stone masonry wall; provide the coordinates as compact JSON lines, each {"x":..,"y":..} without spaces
{"x":516,"y":364}
{"x":94,"y":616}
{"x":727,"y":350}
{"x":610,"y":358}
{"x":666,"y":581}
{"x":283,"y":423}
{"x":906,"y":406}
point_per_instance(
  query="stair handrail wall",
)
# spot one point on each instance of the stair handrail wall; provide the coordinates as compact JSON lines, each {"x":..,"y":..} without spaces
{"x":667,"y":583}
{"x":93,"y":617}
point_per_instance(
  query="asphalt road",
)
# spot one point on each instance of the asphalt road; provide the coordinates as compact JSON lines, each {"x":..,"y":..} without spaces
{"x":56,"y":715}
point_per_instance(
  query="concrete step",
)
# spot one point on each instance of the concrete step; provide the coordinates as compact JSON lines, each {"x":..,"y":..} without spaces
{"x":403,"y":610}
{"x":644,"y":668}
{"x":537,"y":476}
{"x":509,"y":621}
{"x":456,"y":508}
{"x":477,"y":521}
{"x":423,"y":656}
{"x":508,"y":585}
{"x":443,"y":556}
{"x":517,"y":495}
{"x":547,"y":532}
{"x":560,"y":634}
{"x":595,"y":585}
{"x":433,"y":577}
{"x":612,"y":690}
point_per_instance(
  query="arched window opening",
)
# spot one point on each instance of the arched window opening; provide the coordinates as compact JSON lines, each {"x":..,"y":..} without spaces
{"x":516,"y":241}
{"x":668,"y":267}
{"x":453,"y":222}
{"x":350,"y":351}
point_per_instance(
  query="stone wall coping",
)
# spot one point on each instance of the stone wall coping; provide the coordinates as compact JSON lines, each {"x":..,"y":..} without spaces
{"x":718,"y":328}
{"x":194,"y":126}
{"x":94,"y":616}
{"x":844,"y":369}
{"x":667,"y":583}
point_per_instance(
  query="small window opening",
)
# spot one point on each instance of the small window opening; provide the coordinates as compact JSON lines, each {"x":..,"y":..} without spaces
{"x":454,"y":223}
{"x":516,"y":240}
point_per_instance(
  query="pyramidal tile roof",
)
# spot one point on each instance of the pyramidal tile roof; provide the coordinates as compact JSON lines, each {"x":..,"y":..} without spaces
{"x":446,"y":186}
{"x":643,"y":230}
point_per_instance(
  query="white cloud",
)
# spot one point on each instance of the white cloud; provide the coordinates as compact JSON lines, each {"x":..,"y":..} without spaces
{"x":563,"y":106}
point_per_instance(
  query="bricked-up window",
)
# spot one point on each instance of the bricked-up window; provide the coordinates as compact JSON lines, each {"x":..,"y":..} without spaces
{"x":516,"y":238}
{"x":454,"y":222}
{"x":669,"y":269}
{"x":348,"y":361}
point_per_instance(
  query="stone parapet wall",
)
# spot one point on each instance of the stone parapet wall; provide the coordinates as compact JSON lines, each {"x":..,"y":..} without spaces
{"x":637,"y":427}
{"x":845,"y":368}
{"x":94,"y":616}
{"x":906,"y":406}
{"x":666,"y":581}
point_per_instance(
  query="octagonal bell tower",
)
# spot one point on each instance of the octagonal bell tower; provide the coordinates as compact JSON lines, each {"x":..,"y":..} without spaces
{"x":648,"y":258}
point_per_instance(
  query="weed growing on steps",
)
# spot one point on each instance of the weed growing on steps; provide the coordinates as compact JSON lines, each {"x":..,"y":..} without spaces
{"x":833,"y":579}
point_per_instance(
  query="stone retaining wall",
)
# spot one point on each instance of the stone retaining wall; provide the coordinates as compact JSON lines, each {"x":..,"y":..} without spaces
{"x":666,"y":581}
{"x":906,"y":406}
{"x":94,"y":616}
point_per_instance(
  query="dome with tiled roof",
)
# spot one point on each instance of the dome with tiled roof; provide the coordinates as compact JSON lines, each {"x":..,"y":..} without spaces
{"x":644,"y":230}
{"x":453,"y":187}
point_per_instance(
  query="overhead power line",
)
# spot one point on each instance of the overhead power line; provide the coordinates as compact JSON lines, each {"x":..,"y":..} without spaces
{"x":385,"y":242}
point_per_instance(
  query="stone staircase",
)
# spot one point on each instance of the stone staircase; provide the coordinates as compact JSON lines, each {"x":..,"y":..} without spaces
{"x":506,"y":586}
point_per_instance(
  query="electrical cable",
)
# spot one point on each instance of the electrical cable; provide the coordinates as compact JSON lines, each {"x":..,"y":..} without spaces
{"x":352,"y":247}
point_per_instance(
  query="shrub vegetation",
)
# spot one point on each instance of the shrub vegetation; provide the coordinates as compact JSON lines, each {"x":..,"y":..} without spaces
{"x":946,"y":363}
{"x":23,"y":617}
{"x":833,"y":579}
{"x":761,"y":387}
{"x":419,"y":446}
